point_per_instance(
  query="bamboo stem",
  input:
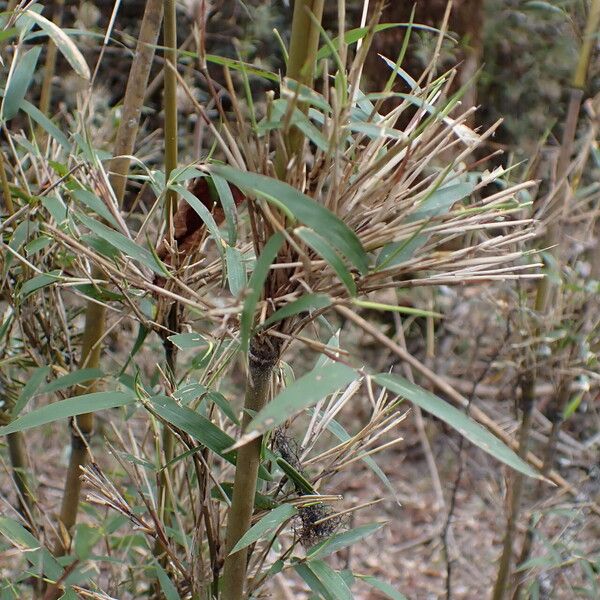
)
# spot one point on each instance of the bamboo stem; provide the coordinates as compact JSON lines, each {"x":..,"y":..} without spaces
{"x":82,"y":426}
{"x":304,"y":44}
{"x":504,"y":570}
{"x":134,"y":96}
{"x":170,"y":102}
{"x":261,"y":361}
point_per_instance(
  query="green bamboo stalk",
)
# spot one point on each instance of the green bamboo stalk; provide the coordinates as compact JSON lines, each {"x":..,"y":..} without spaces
{"x":304,"y":45}
{"x":170,"y":103}
{"x":82,"y":426}
{"x":262,"y":359}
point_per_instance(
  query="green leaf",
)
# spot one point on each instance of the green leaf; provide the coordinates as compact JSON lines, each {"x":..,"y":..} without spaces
{"x":63,"y":42}
{"x":166,"y":585}
{"x":92,"y":201}
{"x":184,"y":341}
{"x":19,"y":83}
{"x":306,"y":303}
{"x":236,"y":270}
{"x":261,"y":501}
{"x":304,"y":208}
{"x":342,"y":540}
{"x":123,"y":244}
{"x":224,"y":406}
{"x":71,"y":379}
{"x":70,"y":407}
{"x":36,"y":378}
{"x":223,"y":190}
{"x":474,"y":432}
{"x":303,"y":393}
{"x":46,"y":124}
{"x":255,"y":286}
{"x":202,"y":212}
{"x":382,"y":586}
{"x":407,"y":310}
{"x":272,"y":520}
{"x":323,"y":580}
{"x":322,"y":247}
{"x":37,"y":555}
{"x":198,"y":426}
{"x":38,"y":282}
{"x":440,"y":201}
{"x":297,"y":478}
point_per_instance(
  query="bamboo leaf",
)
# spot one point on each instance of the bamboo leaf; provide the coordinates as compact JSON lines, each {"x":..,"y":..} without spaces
{"x":228,"y":203}
{"x":323,"y":580}
{"x":306,"y":303}
{"x":236,"y":271}
{"x":303,"y":393}
{"x":19,"y":83}
{"x":382,"y":586}
{"x":199,"y":427}
{"x":36,"y":379}
{"x":166,"y":585}
{"x":297,"y":478}
{"x":71,"y":379}
{"x":70,"y":407}
{"x":474,"y":432}
{"x":185,"y":341}
{"x":63,"y":42}
{"x":37,"y":555}
{"x":46,"y":124}
{"x":342,"y":540}
{"x":38,"y":282}
{"x":440,"y":201}
{"x":255,"y":285}
{"x":272,"y":520}
{"x":322,"y":247}
{"x":304,"y":208}
{"x":124,"y":244}
{"x":407,"y":310}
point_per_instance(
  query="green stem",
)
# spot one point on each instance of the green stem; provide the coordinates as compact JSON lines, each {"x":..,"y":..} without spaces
{"x":20,"y":466}
{"x":261,"y":361}
{"x":304,"y":44}
{"x":170,"y":102}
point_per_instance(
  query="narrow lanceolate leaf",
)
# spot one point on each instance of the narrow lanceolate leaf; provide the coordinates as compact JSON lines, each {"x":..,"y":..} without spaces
{"x":440,"y":201}
{"x":255,"y":285}
{"x":303,"y":208}
{"x":70,"y":407}
{"x":323,"y":580}
{"x":407,"y":310}
{"x":272,"y":520}
{"x":306,"y":303}
{"x":46,"y":124}
{"x":197,"y":426}
{"x":166,"y":585}
{"x":19,"y":82}
{"x":236,"y":270}
{"x":382,"y":586}
{"x":123,"y":244}
{"x":342,"y":540}
{"x":323,"y":248}
{"x":39,"y":557}
{"x":303,"y":393}
{"x":63,"y":42}
{"x":37,"y":377}
{"x":466,"y":426}
{"x":71,"y":379}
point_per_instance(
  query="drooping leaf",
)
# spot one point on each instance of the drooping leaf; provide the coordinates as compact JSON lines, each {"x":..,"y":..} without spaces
{"x":70,"y":407}
{"x":38,"y":282}
{"x":92,"y":201}
{"x":236,"y":271}
{"x":474,"y":432}
{"x":272,"y":520}
{"x":323,"y":580}
{"x":322,"y":247}
{"x":63,"y":42}
{"x":19,"y":83}
{"x":303,"y":208}
{"x":199,"y":427}
{"x":36,"y":379}
{"x":123,"y":244}
{"x":46,"y":124}
{"x":382,"y":586}
{"x":440,"y":201}
{"x":185,"y":341}
{"x":306,"y":303}
{"x":166,"y":585}
{"x":299,"y":481}
{"x":71,"y":379}
{"x":338,"y":541}
{"x":303,"y":393}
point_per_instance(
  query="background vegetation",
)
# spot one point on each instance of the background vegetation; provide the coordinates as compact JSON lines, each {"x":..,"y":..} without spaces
{"x":299,"y":301}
